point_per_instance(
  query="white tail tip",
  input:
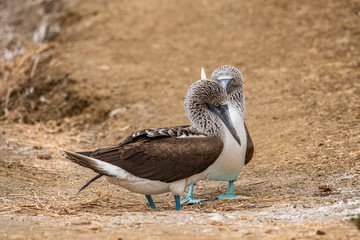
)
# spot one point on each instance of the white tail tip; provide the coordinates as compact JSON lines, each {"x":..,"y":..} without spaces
{"x":203,"y":74}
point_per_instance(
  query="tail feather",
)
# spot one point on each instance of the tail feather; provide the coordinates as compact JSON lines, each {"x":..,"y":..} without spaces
{"x":89,"y":182}
{"x":88,"y":154}
{"x":85,"y":160}
{"x":203,"y":74}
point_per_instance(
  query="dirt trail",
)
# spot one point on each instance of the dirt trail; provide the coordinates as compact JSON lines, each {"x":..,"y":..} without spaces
{"x":104,"y":69}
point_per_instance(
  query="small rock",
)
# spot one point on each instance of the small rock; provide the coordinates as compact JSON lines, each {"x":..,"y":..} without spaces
{"x":42,"y":99}
{"x":44,"y":156}
{"x":319,"y":232}
{"x":208,"y":211}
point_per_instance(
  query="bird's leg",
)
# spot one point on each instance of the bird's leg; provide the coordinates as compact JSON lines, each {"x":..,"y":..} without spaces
{"x":230,"y":189}
{"x":151,"y":202}
{"x":229,"y":194}
{"x":190,"y":197}
{"x":177,"y":202}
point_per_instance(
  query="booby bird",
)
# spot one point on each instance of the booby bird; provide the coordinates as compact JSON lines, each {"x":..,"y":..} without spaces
{"x":159,"y":160}
{"x":228,"y":170}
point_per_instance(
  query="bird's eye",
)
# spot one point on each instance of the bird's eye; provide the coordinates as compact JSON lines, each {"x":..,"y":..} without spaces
{"x":216,"y":104}
{"x":232,"y":81}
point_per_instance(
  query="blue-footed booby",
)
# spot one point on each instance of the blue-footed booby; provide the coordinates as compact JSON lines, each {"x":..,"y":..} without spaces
{"x":229,"y":169}
{"x":159,"y":160}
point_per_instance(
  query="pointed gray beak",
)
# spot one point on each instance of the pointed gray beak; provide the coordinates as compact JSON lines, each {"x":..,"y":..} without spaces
{"x":223,"y":112}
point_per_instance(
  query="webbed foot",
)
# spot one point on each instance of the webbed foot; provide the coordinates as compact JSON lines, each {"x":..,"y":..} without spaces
{"x":231,"y":196}
{"x":190,"y":198}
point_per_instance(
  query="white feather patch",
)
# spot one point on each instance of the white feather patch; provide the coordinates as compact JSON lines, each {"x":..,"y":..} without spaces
{"x":225,"y":77}
{"x":203,"y":74}
{"x":109,"y":168}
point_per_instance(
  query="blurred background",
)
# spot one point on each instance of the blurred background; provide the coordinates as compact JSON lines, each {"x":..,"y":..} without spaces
{"x":84,"y":74}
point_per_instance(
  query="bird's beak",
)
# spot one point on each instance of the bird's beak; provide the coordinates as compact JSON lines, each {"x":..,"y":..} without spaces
{"x":225,"y":83}
{"x":223,"y":112}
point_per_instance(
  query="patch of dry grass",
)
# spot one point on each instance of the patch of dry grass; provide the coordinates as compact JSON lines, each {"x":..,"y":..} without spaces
{"x":15,"y":76}
{"x":56,"y":205}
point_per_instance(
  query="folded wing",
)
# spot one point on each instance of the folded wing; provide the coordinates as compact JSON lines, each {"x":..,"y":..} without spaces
{"x":166,"y":154}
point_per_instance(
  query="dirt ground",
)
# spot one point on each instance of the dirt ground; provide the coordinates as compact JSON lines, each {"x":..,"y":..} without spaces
{"x":86,"y":74}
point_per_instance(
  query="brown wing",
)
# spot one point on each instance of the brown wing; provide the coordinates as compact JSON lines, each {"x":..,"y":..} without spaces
{"x":167,"y":159}
{"x":249,"y":148}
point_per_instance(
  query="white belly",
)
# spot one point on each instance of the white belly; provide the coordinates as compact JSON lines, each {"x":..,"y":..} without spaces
{"x":230,"y":162}
{"x":150,"y":187}
{"x":141,"y":185}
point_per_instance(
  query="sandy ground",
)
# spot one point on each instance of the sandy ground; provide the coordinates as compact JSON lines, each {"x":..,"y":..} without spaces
{"x":99,"y":70}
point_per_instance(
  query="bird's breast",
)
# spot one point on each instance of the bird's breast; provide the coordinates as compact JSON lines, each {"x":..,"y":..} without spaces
{"x":231,"y":160}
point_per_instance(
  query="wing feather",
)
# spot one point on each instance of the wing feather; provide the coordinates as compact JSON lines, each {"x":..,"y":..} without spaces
{"x":159,"y":155}
{"x":249,"y":147}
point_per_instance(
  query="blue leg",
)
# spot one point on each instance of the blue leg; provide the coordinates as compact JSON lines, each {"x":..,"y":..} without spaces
{"x":151,"y":202}
{"x":229,"y":194}
{"x":190,"y":197}
{"x":177,"y":202}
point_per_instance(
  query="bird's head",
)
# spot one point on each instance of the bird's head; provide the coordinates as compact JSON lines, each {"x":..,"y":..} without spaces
{"x":229,"y":77}
{"x":211,"y":97}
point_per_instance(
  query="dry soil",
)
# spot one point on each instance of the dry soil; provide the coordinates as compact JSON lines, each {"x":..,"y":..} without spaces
{"x":85,"y":74}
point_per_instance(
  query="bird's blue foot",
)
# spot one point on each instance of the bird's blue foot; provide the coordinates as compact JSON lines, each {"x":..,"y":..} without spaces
{"x":190,"y":198}
{"x":151,"y":202}
{"x":229,"y":194}
{"x":177,"y":202}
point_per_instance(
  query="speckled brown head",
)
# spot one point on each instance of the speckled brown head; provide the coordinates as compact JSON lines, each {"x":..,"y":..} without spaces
{"x":206,"y":106}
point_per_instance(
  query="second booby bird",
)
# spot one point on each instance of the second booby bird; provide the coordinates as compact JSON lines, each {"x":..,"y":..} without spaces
{"x":229,"y":169}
